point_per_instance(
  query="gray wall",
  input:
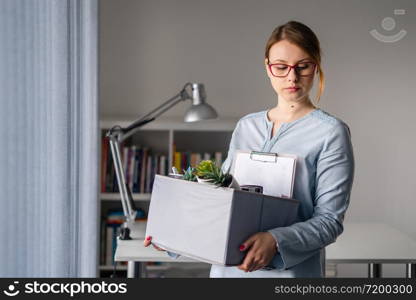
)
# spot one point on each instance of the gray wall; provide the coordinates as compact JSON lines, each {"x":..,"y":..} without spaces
{"x":149,"y":49}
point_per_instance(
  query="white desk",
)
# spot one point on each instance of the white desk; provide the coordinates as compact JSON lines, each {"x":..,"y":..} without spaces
{"x":373,"y":244}
{"x":370,"y":243}
{"x":135,"y":253}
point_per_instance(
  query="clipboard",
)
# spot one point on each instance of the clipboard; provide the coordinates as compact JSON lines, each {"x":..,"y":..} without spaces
{"x":275,"y":172}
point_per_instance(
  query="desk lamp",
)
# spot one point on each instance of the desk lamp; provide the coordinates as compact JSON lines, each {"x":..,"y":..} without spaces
{"x":198,"y":111}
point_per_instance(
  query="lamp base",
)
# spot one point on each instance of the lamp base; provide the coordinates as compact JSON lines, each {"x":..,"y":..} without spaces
{"x":125,"y":233}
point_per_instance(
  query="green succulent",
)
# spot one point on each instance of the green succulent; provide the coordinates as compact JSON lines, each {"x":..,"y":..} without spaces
{"x":189,"y":174}
{"x":207,"y":169}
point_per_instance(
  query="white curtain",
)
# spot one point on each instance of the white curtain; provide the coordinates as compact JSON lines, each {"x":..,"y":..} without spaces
{"x":48,"y":138}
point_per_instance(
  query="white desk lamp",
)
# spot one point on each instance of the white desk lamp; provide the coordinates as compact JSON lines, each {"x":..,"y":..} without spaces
{"x":198,"y":111}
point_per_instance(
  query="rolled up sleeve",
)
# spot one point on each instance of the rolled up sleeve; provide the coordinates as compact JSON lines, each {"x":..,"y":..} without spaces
{"x":333,"y":184}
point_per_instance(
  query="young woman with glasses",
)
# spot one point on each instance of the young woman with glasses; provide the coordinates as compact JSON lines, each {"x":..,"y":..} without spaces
{"x":324,"y":168}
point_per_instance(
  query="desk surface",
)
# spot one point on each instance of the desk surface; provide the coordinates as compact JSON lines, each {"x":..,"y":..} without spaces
{"x":133,"y":250}
{"x":359,"y":243}
{"x":371,"y":242}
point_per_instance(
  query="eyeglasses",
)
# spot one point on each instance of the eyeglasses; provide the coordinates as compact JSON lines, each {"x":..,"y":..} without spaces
{"x":302,"y":69}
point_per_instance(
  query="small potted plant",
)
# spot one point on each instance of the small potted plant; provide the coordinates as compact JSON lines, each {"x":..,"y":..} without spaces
{"x":189,"y":174}
{"x":208,"y":172}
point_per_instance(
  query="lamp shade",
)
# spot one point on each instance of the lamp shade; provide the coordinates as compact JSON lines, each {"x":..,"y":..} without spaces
{"x":199,"y":110}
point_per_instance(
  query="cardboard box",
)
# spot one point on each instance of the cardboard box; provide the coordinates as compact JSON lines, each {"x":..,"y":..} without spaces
{"x":209,"y":223}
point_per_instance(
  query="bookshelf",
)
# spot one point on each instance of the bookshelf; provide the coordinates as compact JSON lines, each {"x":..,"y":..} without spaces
{"x":164,"y":137}
{"x":116,"y":196}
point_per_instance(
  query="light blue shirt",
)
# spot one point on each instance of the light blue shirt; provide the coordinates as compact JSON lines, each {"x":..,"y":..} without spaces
{"x":323,"y":181}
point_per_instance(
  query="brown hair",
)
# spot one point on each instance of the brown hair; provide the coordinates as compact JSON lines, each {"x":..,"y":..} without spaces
{"x":303,"y":37}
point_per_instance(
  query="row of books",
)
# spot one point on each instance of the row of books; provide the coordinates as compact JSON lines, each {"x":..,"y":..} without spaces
{"x":140,"y":165}
{"x":182,"y":160}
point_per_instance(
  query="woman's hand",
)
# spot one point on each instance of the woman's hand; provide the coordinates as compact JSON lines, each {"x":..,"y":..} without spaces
{"x":261,"y":249}
{"x":148,"y":241}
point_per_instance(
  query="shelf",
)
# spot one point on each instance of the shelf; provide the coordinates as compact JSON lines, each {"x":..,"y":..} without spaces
{"x":124,"y":268}
{"x":116,"y":197}
{"x":157,"y":267}
{"x":162,"y":267}
{"x":111,"y":267}
{"x":176,"y":124}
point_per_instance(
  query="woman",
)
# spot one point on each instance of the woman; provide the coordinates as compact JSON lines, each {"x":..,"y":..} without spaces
{"x":325,"y":161}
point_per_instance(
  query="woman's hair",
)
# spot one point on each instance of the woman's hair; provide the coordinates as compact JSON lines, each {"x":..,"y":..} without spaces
{"x":302,"y":36}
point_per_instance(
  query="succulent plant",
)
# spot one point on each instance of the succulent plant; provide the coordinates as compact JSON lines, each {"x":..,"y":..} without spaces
{"x":207,"y":169}
{"x":189,"y":174}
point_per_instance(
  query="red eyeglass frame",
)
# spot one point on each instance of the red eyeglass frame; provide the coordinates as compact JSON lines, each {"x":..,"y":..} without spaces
{"x":292,"y":67}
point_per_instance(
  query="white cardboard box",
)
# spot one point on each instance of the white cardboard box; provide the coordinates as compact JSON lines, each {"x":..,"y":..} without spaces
{"x":208,"y":223}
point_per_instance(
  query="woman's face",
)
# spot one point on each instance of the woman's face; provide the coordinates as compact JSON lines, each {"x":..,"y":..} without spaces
{"x":284,"y":52}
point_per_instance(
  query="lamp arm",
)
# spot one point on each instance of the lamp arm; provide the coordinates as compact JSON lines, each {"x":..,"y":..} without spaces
{"x":129,"y":209}
{"x":151,"y":116}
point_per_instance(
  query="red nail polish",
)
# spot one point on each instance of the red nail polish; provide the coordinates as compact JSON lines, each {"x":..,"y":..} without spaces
{"x":148,"y":238}
{"x":242,"y":247}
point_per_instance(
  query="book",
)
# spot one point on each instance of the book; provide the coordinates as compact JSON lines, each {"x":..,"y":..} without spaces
{"x":125,"y":161}
{"x":113,"y":221}
{"x":154,"y":170}
{"x":184,"y":161}
{"x":198,"y":158}
{"x":177,"y":161}
{"x":102,"y":241}
{"x":218,"y":158}
{"x":148,"y":172}
{"x":136,"y":172}
{"x":143,"y":170}
{"x":109,"y":245}
{"x":104,"y":158}
{"x":132,"y":157}
{"x":207,"y":156}
{"x":110,"y":175}
{"x":163,"y":165}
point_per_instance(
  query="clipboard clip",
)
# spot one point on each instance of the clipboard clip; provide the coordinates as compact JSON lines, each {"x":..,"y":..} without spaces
{"x":263,"y":156}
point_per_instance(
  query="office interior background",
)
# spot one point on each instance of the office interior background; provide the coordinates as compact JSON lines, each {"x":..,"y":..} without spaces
{"x":69,"y":65}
